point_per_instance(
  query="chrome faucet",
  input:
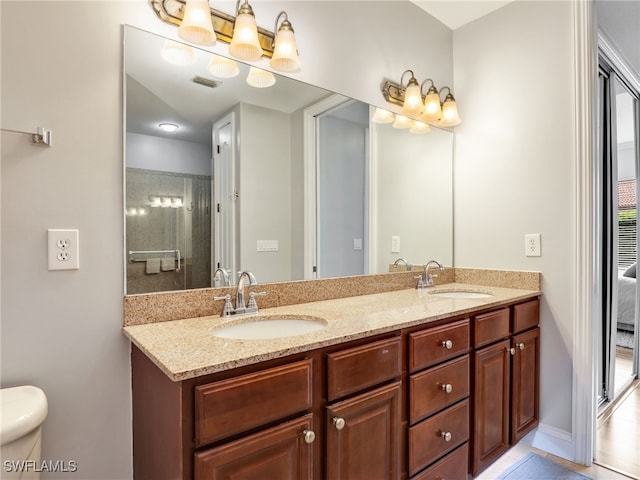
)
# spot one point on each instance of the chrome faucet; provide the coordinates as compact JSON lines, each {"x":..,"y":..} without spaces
{"x":241,"y":306}
{"x":224,"y":277}
{"x":402,"y":260}
{"x":426,"y":279}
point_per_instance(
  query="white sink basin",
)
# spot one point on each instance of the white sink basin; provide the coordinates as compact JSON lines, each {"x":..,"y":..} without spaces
{"x":263,"y":328}
{"x":461,"y":294}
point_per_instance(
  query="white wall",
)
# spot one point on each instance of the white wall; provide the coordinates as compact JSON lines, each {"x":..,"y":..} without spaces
{"x":420,"y":212}
{"x":265,"y":191}
{"x":157,"y":153}
{"x":514,"y":171}
{"x":62,"y":330}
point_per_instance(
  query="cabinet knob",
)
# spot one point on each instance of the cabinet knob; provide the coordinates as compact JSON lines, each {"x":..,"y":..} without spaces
{"x":309,"y":436}
{"x":338,"y":422}
{"x":446,"y":436}
{"x":448,"y":344}
{"x":512,"y":351}
{"x":521,"y":346}
{"x":447,"y":387}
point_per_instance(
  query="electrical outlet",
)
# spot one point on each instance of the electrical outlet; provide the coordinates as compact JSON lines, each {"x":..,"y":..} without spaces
{"x":532,"y":245}
{"x":63,"y":249}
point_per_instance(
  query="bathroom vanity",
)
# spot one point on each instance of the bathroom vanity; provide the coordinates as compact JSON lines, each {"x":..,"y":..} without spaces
{"x":402,"y":384}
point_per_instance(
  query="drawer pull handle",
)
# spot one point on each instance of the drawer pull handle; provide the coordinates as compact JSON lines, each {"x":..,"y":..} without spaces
{"x":521,"y":346}
{"x":447,"y":387}
{"x":339,"y":423}
{"x":448,"y":344}
{"x":309,"y":436}
{"x":446,"y":436}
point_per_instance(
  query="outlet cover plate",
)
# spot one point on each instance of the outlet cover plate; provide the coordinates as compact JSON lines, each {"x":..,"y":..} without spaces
{"x":532,"y":245}
{"x":63,"y":249}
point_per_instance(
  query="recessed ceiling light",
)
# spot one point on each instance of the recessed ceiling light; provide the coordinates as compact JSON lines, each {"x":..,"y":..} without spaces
{"x":168,"y":127}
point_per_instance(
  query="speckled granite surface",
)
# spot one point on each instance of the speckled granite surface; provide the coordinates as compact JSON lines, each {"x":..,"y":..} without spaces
{"x":187,"y":348}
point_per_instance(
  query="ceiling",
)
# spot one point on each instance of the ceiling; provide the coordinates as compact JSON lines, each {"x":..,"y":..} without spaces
{"x":456,"y":13}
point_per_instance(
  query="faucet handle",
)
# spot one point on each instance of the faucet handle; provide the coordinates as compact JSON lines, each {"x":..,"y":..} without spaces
{"x":253,"y":305}
{"x":420,"y":285}
{"x":228,"y":308}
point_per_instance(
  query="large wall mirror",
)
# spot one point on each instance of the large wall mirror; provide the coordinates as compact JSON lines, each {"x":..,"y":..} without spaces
{"x":289,"y":181}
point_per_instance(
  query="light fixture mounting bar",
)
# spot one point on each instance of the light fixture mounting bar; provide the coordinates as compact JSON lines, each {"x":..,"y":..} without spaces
{"x":172,"y":12}
{"x":393,"y":93}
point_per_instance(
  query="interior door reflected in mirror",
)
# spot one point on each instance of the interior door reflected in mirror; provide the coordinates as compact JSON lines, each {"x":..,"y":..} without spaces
{"x":218,"y":174}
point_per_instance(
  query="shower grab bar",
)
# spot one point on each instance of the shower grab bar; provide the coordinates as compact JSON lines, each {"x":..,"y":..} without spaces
{"x":142,"y":252}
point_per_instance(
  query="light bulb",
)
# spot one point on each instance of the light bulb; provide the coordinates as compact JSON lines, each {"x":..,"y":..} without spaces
{"x":432,"y":110}
{"x":412,"y":105}
{"x":196,"y":25}
{"x":450,"y":117}
{"x":285,"y":52}
{"x":244,"y":43}
{"x":223,"y":67}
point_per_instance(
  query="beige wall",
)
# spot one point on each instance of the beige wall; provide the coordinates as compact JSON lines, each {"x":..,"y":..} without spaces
{"x":61,"y":69}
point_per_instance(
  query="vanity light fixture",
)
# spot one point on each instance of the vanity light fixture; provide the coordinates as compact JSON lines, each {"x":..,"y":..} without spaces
{"x":178,"y":53}
{"x":285,"y":52}
{"x":168,"y":127}
{"x":202,"y":25}
{"x":434,"y":111}
{"x":260,"y":78}
{"x":419,"y":127}
{"x":223,"y":67}
{"x":165,"y":201}
{"x":196,"y":26}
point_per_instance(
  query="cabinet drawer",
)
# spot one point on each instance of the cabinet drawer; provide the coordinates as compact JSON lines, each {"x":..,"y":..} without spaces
{"x":490,"y":327}
{"x":238,"y":404}
{"x":434,"y":345}
{"x":428,"y":439}
{"x":437,"y":388}
{"x":354,"y":369}
{"x":526,"y":315}
{"x":278,"y":452}
{"x":453,"y":466}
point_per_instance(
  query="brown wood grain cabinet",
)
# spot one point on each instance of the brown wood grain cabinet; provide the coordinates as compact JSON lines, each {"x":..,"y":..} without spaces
{"x":506,"y":376}
{"x":435,"y":401}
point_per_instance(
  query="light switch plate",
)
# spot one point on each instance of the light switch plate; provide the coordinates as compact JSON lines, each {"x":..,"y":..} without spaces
{"x":357,"y":244}
{"x":395,"y":244}
{"x":267,"y":246}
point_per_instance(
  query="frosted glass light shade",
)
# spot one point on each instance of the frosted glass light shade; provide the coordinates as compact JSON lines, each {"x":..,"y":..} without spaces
{"x":245,"y":44}
{"x":419,"y":127}
{"x":402,"y":122}
{"x":382,"y":116}
{"x":196,"y":26}
{"x":260,"y":78}
{"x":432,"y":110}
{"x":412,"y":105}
{"x":450,"y":117}
{"x":285,"y":53}
{"x":178,"y":53}
{"x":223,"y":67}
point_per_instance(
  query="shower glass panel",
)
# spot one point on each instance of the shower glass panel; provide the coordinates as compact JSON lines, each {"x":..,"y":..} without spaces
{"x":168,"y":224}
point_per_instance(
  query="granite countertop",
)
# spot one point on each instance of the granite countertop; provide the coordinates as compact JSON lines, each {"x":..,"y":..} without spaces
{"x":185,"y":349}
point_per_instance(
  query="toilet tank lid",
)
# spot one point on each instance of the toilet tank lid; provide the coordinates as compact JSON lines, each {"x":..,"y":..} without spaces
{"x":22,"y":409}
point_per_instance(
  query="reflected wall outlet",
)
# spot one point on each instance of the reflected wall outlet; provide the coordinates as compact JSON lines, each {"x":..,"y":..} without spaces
{"x":267,"y":246}
{"x":63,"y":249}
{"x":532,"y":245}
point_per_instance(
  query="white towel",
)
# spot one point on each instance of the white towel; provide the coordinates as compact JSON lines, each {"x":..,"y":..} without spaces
{"x":168,"y":264}
{"x":153,"y":265}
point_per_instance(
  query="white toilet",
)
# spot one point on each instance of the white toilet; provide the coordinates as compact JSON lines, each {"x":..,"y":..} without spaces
{"x":22,"y":411}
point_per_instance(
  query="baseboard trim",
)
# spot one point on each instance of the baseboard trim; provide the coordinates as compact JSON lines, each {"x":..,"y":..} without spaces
{"x":551,"y":440}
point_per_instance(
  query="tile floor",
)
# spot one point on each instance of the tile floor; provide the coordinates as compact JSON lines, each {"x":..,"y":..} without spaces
{"x":518,"y":451}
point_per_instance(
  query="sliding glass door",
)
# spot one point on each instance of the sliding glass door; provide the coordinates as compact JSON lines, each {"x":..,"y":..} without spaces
{"x":618,"y":127}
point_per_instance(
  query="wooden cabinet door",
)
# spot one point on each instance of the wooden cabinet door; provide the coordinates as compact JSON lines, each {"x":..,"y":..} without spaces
{"x":525,"y":383}
{"x":490,"y":405}
{"x":363,"y":436}
{"x":279,"y":452}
